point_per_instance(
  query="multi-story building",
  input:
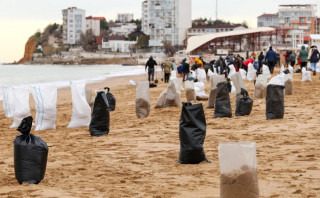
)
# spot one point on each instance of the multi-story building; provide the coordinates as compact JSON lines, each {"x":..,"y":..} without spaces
{"x":268,"y":20}
{"x":93,"y":24}
{"x":166,"y":20}
{"x":74,"y":23}
{"x":122,"y":28}
{"x":200,"y":30}
{"x":116,"y":43}
{"x":124,"y":18}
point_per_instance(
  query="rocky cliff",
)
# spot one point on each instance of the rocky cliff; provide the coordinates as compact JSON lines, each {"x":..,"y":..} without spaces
{"x":30,"y":47}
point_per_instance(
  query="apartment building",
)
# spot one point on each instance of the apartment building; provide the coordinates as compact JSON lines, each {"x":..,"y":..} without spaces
{"x":268,"y":20}
{"x":122,"y":28}
{"x":124,"y":18}
{"x":166,"y":20}
{"x":93,"y":24}
{"x":74,"y":23}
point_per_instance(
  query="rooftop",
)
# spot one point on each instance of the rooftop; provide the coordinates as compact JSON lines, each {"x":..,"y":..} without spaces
{"x":268,"y":15}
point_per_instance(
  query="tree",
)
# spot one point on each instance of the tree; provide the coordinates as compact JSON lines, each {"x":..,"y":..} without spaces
{"x":103,"y":25}
{"x":169,"y":49}
{"x":137,"y":22}
{"x":88,"y":41}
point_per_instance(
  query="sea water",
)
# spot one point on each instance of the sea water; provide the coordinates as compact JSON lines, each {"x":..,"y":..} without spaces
{"x":61,"y":75}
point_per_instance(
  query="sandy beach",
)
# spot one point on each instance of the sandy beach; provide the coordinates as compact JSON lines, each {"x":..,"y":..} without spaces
{"x":139,"y":156}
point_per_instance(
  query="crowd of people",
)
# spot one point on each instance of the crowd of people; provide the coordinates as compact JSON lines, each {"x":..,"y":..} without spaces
{"x":271,"y":58}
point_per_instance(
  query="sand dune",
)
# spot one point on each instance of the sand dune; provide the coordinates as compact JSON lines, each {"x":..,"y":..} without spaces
{"x":139,"y":156}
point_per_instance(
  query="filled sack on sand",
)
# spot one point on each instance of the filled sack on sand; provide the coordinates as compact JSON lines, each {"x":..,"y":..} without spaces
{"x":161,"y":99}
{"x":215,"y":79}
{"x":8,"y":105}
{"x":243,"y":74}
{"x":21,"y":105}
{"x":251,"y":72}
{"x":111,"y":99}
{"x":290,"y":68}
{"x":266,"y":71}
{"x":81,"y":111}
{"x":277,"y":80}
{"x":222,"y":107}
{"x":237,"y":83}
{"x":244,"y":104}
{"x":30,"y":154}
{"x":238,"y":169}
{"x":274,"y":102}
{"x":173,"y":97}
{"x":288,"y":84}
{"x":190,"y":91}
{"x":100,"y":118}
{"x":142,"y":99}
{"x":192,"y":133}
{"x":260,"y":86}
{"x":306,"y":75}
{"x":45,"y":97}
{"x":199,"y":89}
{"x":232,"y":70}
{"x":201,"y":75}
{"x":318,"y":67}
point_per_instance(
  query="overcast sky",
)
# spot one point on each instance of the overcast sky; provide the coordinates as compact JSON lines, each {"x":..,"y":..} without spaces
{"x":19,"y":19}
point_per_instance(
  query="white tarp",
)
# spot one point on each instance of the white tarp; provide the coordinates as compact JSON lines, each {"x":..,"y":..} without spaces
{"x":81,"y":111}
{"x":21,"y":105}
{"x":45,"y":97}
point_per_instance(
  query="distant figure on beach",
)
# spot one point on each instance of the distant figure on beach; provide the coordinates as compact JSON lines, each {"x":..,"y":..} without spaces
{"x":150,"y":65}
{"x":304,"y":56}
{"x":167,"y":68}
{"x":260,"y":59}
{"x":185,"y":69}
{"x":292,"y":59}
{"x":271,"y":57}
{"x":314,"y":58}
{"x":174,"y":64}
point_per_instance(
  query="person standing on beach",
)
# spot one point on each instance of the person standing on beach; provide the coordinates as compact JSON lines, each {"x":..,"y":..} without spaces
{"x":271,"y":57}
{"x":314,"y":59}
{"x":167,"y":68}
{"x":260,"y":59}
{"x":185,"y":69}
{"x":292,"y":59}
{"x":150,"y":65}
{"x":304,"y":56}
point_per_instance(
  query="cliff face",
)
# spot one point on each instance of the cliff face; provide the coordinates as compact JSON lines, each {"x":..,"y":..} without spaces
{"x":30,"y":47}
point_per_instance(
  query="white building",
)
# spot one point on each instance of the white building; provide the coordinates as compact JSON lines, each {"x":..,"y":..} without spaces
{"x":268,"y":20}
{"x":74,"y":23}
{"x":125,"y":18}
{"x":93,"y":23}
{"x":117,"y":44}
{"x":123,"y":29}
{"x":166,"y":20}
{"x":200,"y":30}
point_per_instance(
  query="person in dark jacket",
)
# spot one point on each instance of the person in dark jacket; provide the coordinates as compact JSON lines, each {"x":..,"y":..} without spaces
{"x":150,"y":65}
{"x":314,"y":59}
{"x":304,"y":56}
{"x":271,"y":57}
{"x":292,"y":59}
{"x":260,"y":59}
{"x":185,"y":69}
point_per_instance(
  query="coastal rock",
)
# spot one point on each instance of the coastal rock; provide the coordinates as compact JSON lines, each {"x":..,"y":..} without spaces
{"x":30,"y":47}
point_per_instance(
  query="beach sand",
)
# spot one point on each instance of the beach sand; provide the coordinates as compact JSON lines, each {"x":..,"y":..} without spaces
{"x":139,"y":156}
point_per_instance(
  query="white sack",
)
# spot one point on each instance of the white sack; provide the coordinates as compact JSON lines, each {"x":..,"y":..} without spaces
{"x":45,"y":97}
{"x":21,"y":105}
{"x":261,"y":86}
{"x":251,"y":72}
{"x":190,"y":91}
{"x":237,"y":83}
{"x":288,"y":84}
{"x":306,"y":75}
{"x":81,"y":111}
{"x":318,"y":67}
{"x":290,"y":69}
{"x":132,"y":83}
{"x":201,"y":75}
{"x":277,"y":80}
{"x":142,"y":99}
{"x":243,"y":74}
{"x":233,"y":89}
{"x":210,"y":73}
{"x":161,"y":99}
{"x":282,"y":68}
{"x":199,"y":89}
{"x":232,"y":71}
{"x":8,"y":106}
{"x":266,"y":71}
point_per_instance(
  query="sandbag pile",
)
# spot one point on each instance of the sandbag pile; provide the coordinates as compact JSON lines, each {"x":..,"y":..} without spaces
{"x":100,"y":118}
{"x":222,"y":107}
{"x":238,"y":169}
{"x":192,"y":133}
{"x":274,"y":102}
{"x":215,"y":79}
{"x":30,"y":155}
{"x":142,"y":99}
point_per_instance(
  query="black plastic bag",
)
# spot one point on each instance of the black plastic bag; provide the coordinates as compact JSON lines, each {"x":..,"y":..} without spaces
{"x":244,"y":104}
{"x":192,"y":79}
{"x":111,"y":99}
{"x":222,"y":106}
{"x":30,"y":155}
{"x":192,"y":132}
{"x":274,"y":102}
{"x":151,"y":85}
{"x":100,"y":118}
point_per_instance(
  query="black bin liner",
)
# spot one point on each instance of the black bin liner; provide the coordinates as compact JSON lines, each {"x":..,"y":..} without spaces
{"x":274,"y":102}
{"x":192,"y":133}
{"x":244,"y":104}
{"x":111,"y":99}
{"x":222,"y":106}
{"x":30,"y":154}
{"x":100,"y":118}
